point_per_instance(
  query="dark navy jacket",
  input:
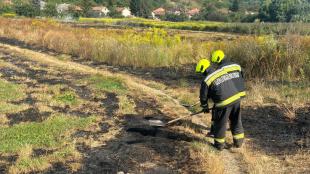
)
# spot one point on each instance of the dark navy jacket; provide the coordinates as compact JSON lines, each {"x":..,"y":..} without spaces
{"x":224,"y":86}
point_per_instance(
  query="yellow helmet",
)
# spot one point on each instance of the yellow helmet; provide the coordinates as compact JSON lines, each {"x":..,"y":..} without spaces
{"x":217,"y":56}
{"x":202,"y":65}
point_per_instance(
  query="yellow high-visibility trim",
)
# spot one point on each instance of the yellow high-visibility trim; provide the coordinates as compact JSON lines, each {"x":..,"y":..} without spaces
{"x":215,"y":76}
{"x":239,"y":136}
{"x":219,"y":140}
{"x":233,"y":68}
{"x":225,"y":70}
{"x":230,"y":99}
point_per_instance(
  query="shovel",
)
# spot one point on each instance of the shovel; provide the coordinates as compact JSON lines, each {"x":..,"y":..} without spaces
{"x":159,"y":123}
{"x":191,"y":106}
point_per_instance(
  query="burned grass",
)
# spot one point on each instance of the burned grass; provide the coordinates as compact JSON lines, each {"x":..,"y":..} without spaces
{"x":76,"y":122}
{"x":107,"y":146}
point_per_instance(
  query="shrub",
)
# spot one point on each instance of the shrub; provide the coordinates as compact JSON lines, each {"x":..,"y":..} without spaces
{"x":27,"y":10}
{"x":265,"y":56}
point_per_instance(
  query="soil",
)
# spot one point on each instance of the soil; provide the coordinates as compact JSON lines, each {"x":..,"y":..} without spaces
{"x":137,"y":147}
{"x":133,"y":149}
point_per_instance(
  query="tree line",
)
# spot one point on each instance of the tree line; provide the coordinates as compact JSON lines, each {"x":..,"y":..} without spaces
{"x":212,"y":10}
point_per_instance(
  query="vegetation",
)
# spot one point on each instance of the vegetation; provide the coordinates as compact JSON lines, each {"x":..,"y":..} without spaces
{"x":285,"y":58}
{"x":243,"y":28}
{"x":211,"y":10}
{"x":10,"y":91}
{"x":285,"y":11}
{"x":107,"y":84}
{"x":39,"y":135}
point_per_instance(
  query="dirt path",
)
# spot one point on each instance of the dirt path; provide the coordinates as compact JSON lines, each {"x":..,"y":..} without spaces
{"x":121,"y":145}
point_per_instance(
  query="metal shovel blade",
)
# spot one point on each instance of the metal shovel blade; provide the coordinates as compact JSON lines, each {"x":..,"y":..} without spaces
{"x":157,"y":123}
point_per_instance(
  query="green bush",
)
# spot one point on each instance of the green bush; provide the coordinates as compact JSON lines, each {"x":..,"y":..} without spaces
{"x":27,"y":10}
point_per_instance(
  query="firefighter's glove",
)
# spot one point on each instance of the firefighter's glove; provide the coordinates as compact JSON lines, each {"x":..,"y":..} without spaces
{"x":205,"y":108}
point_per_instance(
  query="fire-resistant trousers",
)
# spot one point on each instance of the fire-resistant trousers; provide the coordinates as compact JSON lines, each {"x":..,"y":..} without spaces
{"x":220,"y":117}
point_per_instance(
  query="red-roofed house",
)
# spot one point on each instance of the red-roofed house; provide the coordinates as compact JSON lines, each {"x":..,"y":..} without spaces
{"x":193,"y":12}
{"x":8,"y":2}
{"x":124,"y":11}
{"x":100,"y":11}
{"x":159,"y":12}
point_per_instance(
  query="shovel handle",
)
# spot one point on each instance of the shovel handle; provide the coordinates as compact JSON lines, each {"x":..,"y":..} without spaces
{"x":177,"y":119}
{"x":190,"y":106}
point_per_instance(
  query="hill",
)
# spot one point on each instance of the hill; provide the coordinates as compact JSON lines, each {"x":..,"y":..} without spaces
{"x":245,"y":4}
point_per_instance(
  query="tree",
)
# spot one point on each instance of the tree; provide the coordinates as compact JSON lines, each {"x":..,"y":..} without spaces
{"x":176,"y":18}
{"x":134,"y":7}
{"x":26,"y":9}
{"x":86,"y":6}
{"x":284,"y":11}
{"x":6,"y":9}
{"x":263,"y":13}
{"x":140,"y":8}
{"x":235,"y":5}
{"x":50,"y":10}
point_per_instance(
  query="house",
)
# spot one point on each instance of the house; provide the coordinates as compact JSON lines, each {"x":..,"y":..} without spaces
{"x":7,"y":2}
{"x":76,"y":8}
{"x":193,"y":12}
{"x":62,"y":8}
{"x":124,"y":11}
{"x":159,"y":12}
{"x":42,"y":4}
{"x":100,"y":11}
{"x":250,"y":13}
{"x":174,"y":11}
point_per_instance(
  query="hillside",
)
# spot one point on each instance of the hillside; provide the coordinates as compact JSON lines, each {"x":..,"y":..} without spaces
{"x":246,"y":4}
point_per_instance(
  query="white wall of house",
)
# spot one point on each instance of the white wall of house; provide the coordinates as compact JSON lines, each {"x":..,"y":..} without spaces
{"x":105,"y":11}
{"x":126,"y":12}
{"x":42,"y":4}
{"x":62,"y":8}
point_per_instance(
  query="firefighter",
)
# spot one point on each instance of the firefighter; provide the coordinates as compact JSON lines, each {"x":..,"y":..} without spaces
{"x":225,"y":86}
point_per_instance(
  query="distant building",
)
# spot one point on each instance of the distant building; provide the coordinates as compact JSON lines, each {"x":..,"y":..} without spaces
{"x":175,"y":11}
{"x":159,"y":12}
{"x":100,"y":11}
{"x":62,"y":8}
{"x":7,"y":2}
{"x":193,"y":12}
{"x":250,"y":13}
{"x":124,"y":11}
{"x":76,"y":8}
{"x":42,"y":4}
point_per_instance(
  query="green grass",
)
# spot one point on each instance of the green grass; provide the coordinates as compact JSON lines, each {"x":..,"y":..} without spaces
{"x":10,"y":91}
{"x":29,"y":164}
{"x":294,"y":91}
{"x":67,"y":98}
{"x":126,"y":105}
{"x":108,"y":84}
{"x":10,"y":108}
{"x":46,"y":134}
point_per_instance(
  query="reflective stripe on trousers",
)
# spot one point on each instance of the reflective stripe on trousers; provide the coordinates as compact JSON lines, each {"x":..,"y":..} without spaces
{"x":238,"y":136}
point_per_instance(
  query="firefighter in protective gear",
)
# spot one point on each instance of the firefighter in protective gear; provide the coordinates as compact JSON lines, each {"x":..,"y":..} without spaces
{"x":225,"y":86}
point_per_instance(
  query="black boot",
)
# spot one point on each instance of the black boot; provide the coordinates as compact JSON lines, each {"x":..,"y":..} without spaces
{"x":219,"y":146}
{"x":238,"y":143}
